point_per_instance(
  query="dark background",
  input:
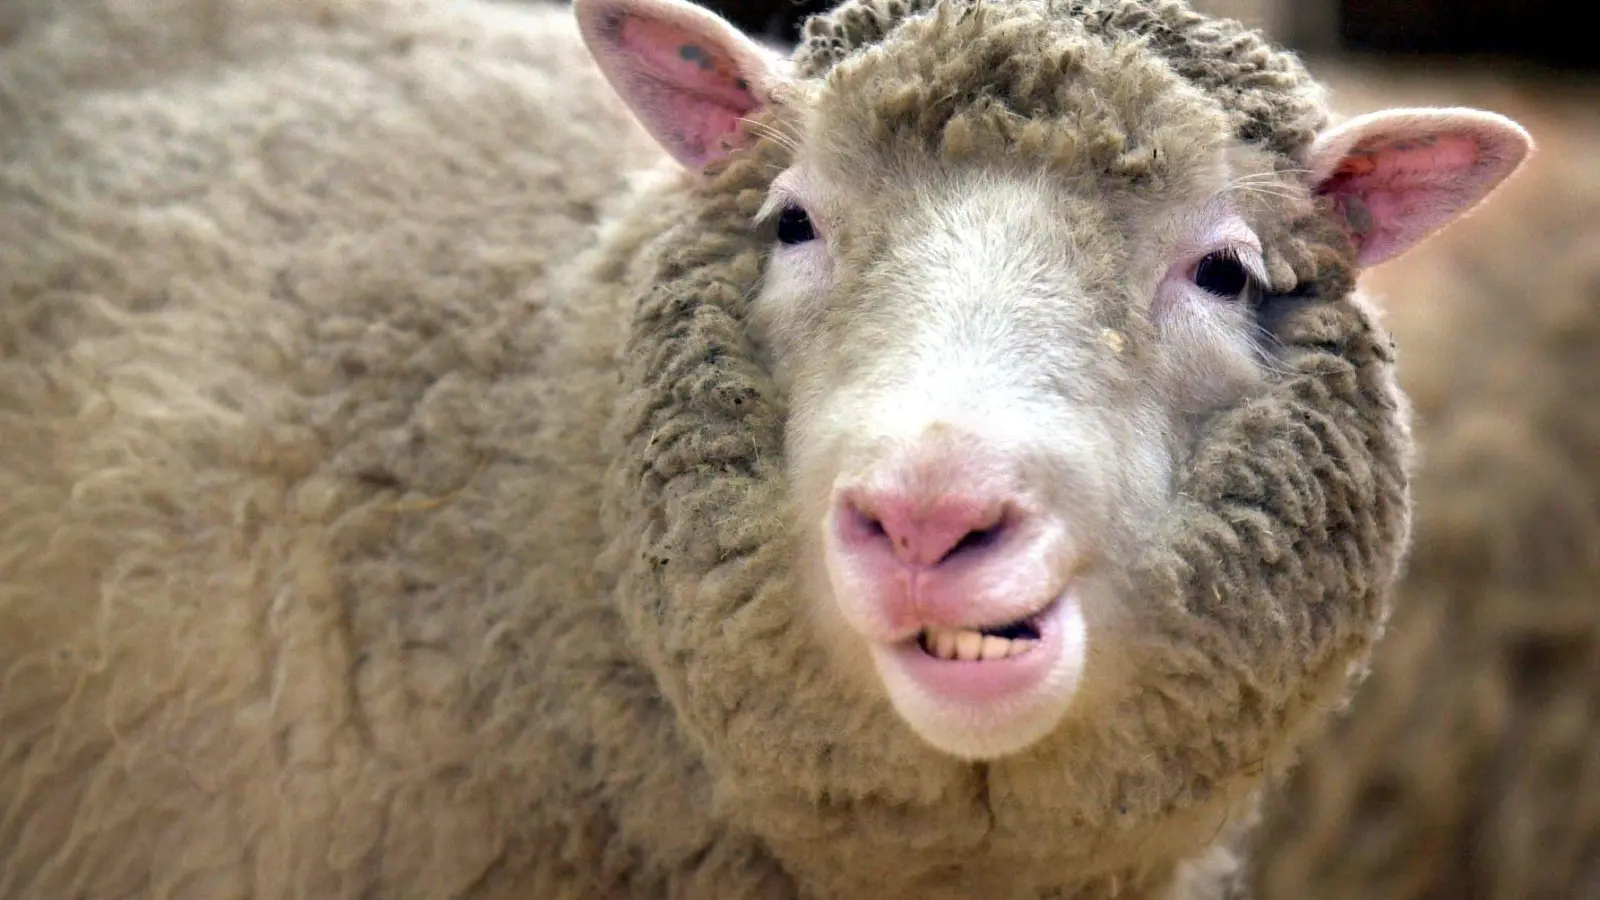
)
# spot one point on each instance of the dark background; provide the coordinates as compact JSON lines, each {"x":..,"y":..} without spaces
{"x":1538,"y":33}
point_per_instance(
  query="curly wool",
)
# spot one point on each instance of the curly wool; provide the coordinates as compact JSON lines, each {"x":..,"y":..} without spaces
{"x":1267,"y":91}
{"x":314,"y":580}
{"x":1468,"y":766}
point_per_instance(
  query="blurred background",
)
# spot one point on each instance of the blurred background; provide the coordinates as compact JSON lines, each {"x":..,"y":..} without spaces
{"x":1539,"y":32}
{"x":1468,"y":767}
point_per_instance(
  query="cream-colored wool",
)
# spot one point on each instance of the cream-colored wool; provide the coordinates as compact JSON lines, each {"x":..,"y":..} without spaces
{"x":368,"y":527}
{"x":1468,"y":765}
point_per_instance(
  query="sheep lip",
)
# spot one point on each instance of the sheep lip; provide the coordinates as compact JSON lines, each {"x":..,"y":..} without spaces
{"x":972,"y":683}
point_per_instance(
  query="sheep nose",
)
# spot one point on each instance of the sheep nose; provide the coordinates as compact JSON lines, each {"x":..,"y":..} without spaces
{"x":921,"y":527}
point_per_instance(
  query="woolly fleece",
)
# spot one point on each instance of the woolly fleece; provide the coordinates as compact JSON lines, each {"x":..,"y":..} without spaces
{"x":371,"y":526}
{"x":1468,"y":766}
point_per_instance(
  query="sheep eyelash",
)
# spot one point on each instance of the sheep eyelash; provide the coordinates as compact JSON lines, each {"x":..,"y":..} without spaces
{"x":1217,"y":227}
{"x":775,"y":203}
{"x":1249,"y":259}
{"x":786,"y":190}
{"x":782,"y":193}
{"x":1247,"y":256}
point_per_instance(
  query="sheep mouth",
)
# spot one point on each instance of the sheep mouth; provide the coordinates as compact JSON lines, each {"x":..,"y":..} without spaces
{"x":986,"y":644}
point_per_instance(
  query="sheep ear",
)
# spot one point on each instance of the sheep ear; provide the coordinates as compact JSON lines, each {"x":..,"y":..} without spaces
{"x":1398,"y":176}
{"x":688,"y":76}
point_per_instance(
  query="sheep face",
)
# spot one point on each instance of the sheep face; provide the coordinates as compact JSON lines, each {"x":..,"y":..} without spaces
{"x":993,"y":367}
{"x":1016,"y":268}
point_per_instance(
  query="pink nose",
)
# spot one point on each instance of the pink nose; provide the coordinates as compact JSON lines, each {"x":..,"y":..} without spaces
{"x":920,"y":528}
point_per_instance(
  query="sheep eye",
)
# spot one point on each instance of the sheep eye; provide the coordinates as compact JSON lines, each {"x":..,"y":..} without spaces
{"x":1221,"y":274}
{"x":794,"y":226}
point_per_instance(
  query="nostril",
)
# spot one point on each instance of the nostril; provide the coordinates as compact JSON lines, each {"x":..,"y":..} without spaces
{"x":976,"y":540}
{"x":922,"y":531}
{"x":859,"y":524}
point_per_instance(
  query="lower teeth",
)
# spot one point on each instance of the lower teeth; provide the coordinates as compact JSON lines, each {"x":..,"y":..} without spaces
{"x":972,"y":646}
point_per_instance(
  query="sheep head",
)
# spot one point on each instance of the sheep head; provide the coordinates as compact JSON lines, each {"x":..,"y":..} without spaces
{"x":1004,"y":438}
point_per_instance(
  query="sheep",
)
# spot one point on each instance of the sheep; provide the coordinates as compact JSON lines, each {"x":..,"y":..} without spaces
{"x":490,"y":451}
{"x":1468,"y":765}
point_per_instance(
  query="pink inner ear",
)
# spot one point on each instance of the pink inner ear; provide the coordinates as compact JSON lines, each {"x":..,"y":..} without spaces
{"x":1395,"y":190}
{"x":685,"y":87}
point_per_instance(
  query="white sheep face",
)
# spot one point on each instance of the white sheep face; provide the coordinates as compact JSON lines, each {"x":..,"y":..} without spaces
{"x":996,"y":363}
{"x":972,"y":454}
